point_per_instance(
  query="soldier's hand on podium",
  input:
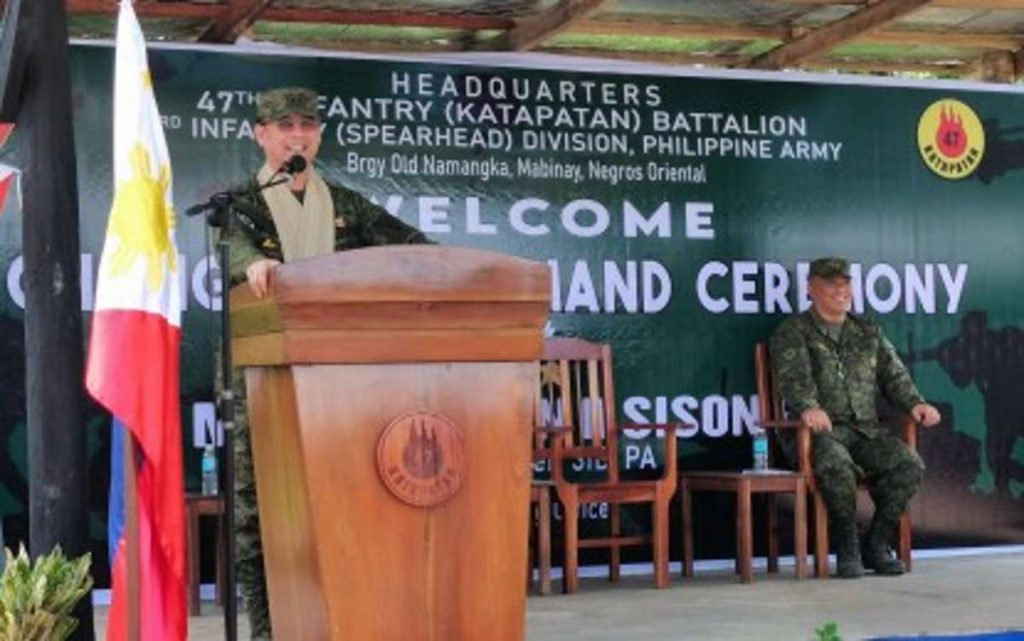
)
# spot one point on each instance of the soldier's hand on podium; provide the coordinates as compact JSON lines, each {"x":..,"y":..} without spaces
{"x":258,"y":274}
{"x":925,"y":414}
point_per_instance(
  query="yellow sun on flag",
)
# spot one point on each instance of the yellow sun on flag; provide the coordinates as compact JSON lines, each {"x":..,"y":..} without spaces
{"x":142,"y":220}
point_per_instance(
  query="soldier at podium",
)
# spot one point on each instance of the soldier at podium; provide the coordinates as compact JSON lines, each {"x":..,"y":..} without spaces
{"x":300,"y":218}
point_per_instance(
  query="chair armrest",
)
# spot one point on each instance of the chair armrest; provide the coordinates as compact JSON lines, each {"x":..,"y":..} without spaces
{"x":803,"y":443}
{"x":787,"y":424}
{"x":554,"y":451}
{"x":670,"y":428}
{"x":909,"y":426}
{"x":551,"y":440}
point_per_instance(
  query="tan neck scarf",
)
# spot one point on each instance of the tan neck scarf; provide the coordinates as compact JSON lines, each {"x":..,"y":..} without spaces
{"x":306,"y":229}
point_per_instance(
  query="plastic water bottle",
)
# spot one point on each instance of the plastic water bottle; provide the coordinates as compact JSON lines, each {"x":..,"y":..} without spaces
{"x":209,"y":467}
{"x":760,"y":446}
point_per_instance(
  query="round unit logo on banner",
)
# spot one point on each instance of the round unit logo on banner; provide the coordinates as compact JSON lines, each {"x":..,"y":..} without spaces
{"x":951,"y":139}
{"x":419,"y":458}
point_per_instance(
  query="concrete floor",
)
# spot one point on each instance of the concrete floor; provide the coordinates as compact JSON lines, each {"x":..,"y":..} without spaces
{"x":947,"y":593}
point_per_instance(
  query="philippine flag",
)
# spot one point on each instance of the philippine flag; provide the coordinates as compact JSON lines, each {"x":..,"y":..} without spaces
{"x":133,"y":366}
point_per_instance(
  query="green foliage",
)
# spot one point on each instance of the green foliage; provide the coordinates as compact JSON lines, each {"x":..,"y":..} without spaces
{"x":36,"y":600}
{"x":828,"y":632}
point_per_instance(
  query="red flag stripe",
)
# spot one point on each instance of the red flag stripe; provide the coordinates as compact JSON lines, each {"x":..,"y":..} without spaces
{"x":133,"y":370}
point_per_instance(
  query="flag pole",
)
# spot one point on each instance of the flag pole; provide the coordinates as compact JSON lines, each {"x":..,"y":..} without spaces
{"x":131,"y":487}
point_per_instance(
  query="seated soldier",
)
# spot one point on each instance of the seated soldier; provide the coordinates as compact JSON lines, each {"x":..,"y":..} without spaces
{"x":828,"y":366}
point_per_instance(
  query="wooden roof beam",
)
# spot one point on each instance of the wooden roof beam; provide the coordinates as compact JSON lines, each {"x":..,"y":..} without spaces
{"x":208,"y":11}
{"x":666,"y":29}
{"x":736,"y":60}
{"x":861,"y":21}
{"x":980,"y":5}
{"x":235,"y":18}
{"x":663,"y":57}
{"x":999,"y":67}
{"x":528,"y":32}
{"x":887,"y":66}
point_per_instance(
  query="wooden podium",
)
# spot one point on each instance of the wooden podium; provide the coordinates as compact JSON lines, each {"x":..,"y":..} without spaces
{"x":391,"y":395}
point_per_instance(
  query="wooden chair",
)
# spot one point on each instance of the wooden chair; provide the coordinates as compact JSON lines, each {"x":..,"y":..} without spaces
{"x":540,"y":511}
{"x":746,"y":484}
{"x":196,"y":507}
{"x":772,"y":413}
{"x":577,"y":386}
{"x":541,"y":489}
{"x":540,"y":536}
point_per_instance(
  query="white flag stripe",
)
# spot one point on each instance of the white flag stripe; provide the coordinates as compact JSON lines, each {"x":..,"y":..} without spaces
{"x":138,"y":268}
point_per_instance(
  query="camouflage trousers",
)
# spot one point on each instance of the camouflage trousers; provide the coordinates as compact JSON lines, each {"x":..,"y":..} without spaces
{"x":849,"y":454}
{"x":249,"y":561}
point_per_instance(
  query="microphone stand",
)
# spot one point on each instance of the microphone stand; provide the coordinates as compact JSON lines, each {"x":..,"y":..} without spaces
{"x":221,"y":208}
{"x":226,"y":410}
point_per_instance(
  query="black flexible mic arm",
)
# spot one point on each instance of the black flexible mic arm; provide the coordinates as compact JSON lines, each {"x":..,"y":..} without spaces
{"x":223,"y":199}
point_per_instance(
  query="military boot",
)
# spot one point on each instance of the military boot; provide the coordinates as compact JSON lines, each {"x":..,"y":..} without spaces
{"x":877,"y":554}
{"x":848,"y":563}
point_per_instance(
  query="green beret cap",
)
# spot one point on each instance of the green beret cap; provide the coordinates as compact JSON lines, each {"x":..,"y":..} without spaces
{"x":830,"y":267}
{"x":273,"y":104}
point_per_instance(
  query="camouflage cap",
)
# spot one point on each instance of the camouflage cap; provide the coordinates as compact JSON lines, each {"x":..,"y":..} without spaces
{"x":285,"y":101}
{"x":831,"y":267}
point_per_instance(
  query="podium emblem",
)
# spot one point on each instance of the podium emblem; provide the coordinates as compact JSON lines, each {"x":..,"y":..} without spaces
{"x":419,"y":458}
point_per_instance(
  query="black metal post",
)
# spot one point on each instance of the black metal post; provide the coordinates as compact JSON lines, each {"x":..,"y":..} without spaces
{"x":226,"y":411}
{"x":37,"y":96}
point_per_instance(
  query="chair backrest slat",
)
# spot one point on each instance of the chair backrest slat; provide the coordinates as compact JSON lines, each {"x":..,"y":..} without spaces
{"x":584,"y":396}
{"x":569,"y":412}
{"x":769,"y":400}
{"x":762,"y":378}
{"x":595,"y":404}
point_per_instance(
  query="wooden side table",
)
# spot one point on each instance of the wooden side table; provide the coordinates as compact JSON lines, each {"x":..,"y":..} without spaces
{"x":196,"y":507}
{"x":743,"y":486}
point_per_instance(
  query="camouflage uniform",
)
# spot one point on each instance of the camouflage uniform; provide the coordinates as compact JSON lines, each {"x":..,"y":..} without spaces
{"x":358,"y":223}
{"x":842,"y":377}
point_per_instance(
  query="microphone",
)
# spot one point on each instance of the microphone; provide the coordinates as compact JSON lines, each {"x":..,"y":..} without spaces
{"x":294,"y":165}
{"x":215,"y":217}
{"x":195,"y":210}
{"x":216,"y":201}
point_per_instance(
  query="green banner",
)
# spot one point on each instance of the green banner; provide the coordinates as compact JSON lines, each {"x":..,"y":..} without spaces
{"x":677,"y":210}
